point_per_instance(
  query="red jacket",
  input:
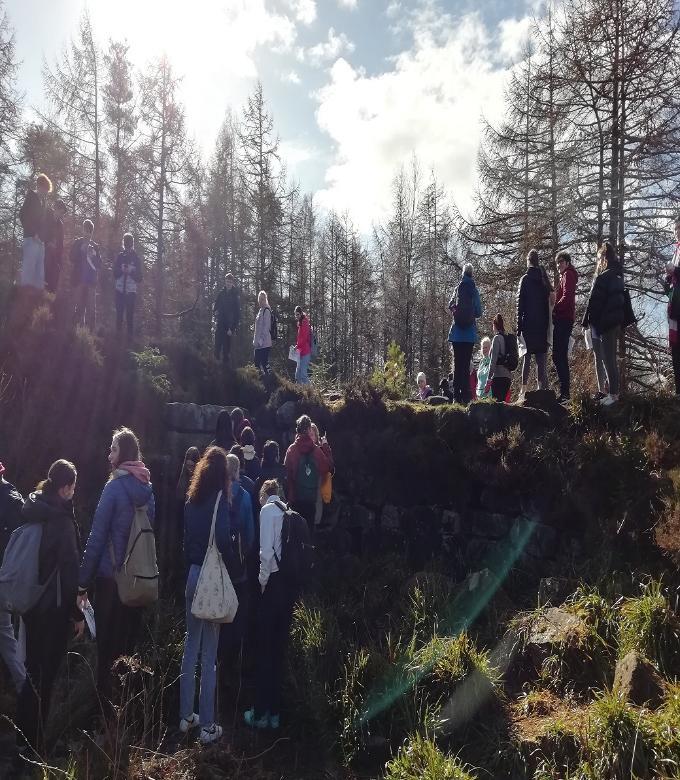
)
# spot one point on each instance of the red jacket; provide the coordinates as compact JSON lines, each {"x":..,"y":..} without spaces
{"x":301,"y":446}
{"x":304,"y":337}
{"x":565,"y":297}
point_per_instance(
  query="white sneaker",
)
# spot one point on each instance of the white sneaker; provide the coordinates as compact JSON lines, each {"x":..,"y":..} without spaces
{"x":210,"y":735}
{"x":186,"y":724}
{"x":608,"y":400}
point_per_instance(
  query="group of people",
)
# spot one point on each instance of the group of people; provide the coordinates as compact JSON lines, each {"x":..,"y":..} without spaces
{"x":43,"y":258}
{"x":545,"y":318}
{"x":227,"y":310}
{"x":234,"y":493}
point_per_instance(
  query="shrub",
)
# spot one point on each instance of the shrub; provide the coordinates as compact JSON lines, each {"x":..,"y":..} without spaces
{"x":421,"y":759}
{"x":151,"y":367}
{"x":391,"y":379}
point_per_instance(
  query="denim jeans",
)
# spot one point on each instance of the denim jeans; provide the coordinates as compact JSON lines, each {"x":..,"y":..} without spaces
{"x":202,"y":638}
{"x":8,"y":651}
{"x":33,"y":263}
{"x":301,"y":372}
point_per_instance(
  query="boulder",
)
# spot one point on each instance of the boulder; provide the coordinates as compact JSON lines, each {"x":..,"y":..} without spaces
{"x":193,"y":418}
{"x":286,"y":414}
{"x":390,"y":518}
{"x":546,"y":401}
{"x":491,"y":525}
{"x":553,"y":631}
{"x":489,"y":418}
{"x":637,"y":681}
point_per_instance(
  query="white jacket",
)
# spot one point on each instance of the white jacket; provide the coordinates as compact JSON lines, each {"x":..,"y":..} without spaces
{"x":271,"y":522}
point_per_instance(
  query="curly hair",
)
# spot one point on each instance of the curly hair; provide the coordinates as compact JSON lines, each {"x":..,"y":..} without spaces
{"x":209,"y":477}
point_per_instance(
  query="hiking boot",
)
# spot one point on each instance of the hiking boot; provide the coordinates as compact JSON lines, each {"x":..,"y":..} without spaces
{"x":211,"y":734}
{"x":256,"y":723}
{"x":186,"y":724}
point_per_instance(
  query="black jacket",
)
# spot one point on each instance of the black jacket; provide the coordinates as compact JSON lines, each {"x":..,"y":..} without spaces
{"x":271,"y":471}
{"x":11,"y":502}
{"x":228,"y":309}
{"x":59,"y":549}
{"x":533,"y":311}
{"x":35,"y":216}
{"x":606,"y":304}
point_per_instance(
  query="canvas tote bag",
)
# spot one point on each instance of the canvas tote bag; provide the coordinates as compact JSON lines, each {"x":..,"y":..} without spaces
{"x":215,"y":599}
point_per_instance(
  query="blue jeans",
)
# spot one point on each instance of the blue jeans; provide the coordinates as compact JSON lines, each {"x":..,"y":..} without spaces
{"x":202,"y":637}
{"x":301,"y":375}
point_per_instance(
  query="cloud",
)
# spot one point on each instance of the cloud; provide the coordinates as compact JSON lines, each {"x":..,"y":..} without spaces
{"x":351,"y":4}
{"x":428,"y":102}
{"x":514,"y":34}
{"x":330,"y":49}
{"x":291,"y":77}
{"x":304,"y":10}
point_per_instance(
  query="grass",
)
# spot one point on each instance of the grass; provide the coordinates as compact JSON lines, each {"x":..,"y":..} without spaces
{"x":421,"y":759}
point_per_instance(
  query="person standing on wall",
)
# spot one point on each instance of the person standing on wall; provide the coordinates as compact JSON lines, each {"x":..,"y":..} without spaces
{"x":227,"y":309}
{"x":34,"y":216}
{"x":127,"y":271}
{"x":563,"y":320}
{"x":672,"y":289}
{"x":54,"y":249}
{"x":605,"y":315}
{"x":466,"y":308}
{"x":533,"y":320}
{"x":303,"y":345}
{"x":262,"y":340}
{"x":86,"y":264}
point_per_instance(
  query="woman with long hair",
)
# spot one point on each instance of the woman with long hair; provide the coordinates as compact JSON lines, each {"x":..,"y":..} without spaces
{"x":499,"y":375}
{"x":262,"y":340}
{"x":128,"y":487}
{"x":48,"y":622}
{"x":533,"y":320}
{"x":211,"y":485}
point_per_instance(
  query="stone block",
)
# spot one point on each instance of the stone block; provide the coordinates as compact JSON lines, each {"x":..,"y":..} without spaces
{"x":491,"y":525}
{"x":637,"y":681}
{"x":286,"y":414}
{"x":193,"y":418}
{"x":390,"y":518}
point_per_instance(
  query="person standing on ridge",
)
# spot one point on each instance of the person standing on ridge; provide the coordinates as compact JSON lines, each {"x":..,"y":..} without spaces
{"x":34,"y":217}
{"x":54,"y":249}
{"x":533,"y":320}
{"x":86,"y":264}
{"x":227,"y":309}
{"x":303,"y":345}
{"x":466,"y":308}
{"x":127,"y":271}
{"x":563,"y":320}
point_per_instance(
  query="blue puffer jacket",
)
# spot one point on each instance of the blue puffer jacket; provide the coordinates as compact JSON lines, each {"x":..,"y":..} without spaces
{"x":197,"y":522}
{"x":112,"y":521}
{"x":466,"y":335}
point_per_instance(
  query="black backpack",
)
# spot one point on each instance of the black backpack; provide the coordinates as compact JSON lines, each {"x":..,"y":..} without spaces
{"x":464,"y":309}
{"x":629,"y":317}
{"x":297,"y":551}
{"x":510,"y":359}
{"x":236,"y":557}
{"x":274,"y":325}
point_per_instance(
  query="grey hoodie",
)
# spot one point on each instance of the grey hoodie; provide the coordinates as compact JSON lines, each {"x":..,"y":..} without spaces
{"x":263,"y":326}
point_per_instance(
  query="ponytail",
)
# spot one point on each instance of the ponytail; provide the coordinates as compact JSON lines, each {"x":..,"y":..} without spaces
{"x":62,"y":474}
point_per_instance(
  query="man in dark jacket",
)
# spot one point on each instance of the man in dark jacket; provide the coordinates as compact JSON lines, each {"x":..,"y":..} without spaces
{"x":227,"y":310}
{"x":605,"y":314}
{"x":11,"y":503}
{"x":54,"y":249}
{"x":563,"y":320}
{"x":86,"y":264}
{"x":533,"y":320}
{"x":127,"y":272}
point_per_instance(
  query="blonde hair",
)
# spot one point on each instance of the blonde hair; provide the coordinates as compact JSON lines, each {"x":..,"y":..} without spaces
{"x":485,"y":340}
{"x":233,"y":466}
{"x":420,"y":376}
{"x":266,"y":297}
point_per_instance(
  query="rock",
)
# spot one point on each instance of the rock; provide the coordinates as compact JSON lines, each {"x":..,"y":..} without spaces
{"x":554,"y":591}
{"x":332,"y":397}
{"x":489,"y":418}
{"x":546,"y":401}
{"x":491,"y":525}
{"x":390,"y":518}
{"x":451,"y":523}
{"x":286,"y":414}
{"x":542,"y":542}
{"x":193,"y":418}
{"x":552,"y":632}
{"x":437,"y":400}
{"x":637,"y":681}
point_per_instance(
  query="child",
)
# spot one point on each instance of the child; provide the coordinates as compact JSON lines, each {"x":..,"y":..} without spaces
{"x":424,"y":390}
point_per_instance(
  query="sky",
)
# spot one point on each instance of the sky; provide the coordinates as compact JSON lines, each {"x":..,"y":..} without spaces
{"x":356,"y":87}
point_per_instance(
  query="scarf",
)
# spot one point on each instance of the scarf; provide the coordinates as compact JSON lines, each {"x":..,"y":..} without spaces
{"x":136,"y":468}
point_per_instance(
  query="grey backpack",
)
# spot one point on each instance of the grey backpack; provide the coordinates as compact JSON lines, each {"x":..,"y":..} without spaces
{"x":20,"y":588}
